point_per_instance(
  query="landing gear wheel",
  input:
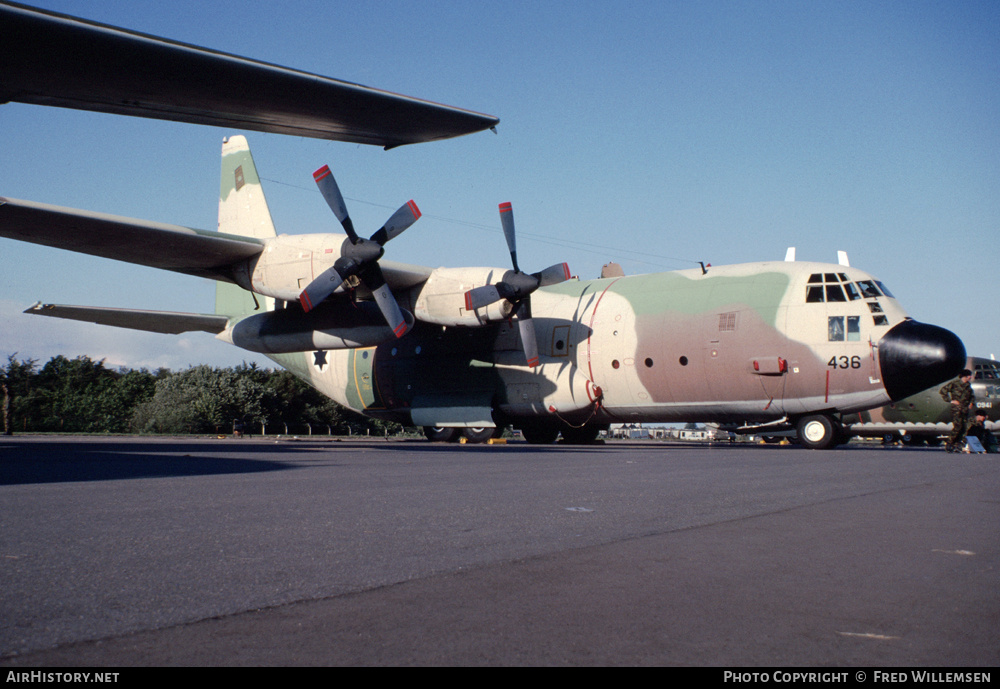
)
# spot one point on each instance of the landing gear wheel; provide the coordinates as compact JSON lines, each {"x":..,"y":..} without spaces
{"x":478,"y":435}
{"x":819,"y":432}
{"x":581,"y":436}
{"x":440,"y":434}
{"x":540,"y":435}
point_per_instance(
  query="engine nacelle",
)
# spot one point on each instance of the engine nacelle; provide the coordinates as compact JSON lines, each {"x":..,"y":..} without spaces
{"x":329,"y":326}
{"x":441,"y":299}
{"x":288,"y":263}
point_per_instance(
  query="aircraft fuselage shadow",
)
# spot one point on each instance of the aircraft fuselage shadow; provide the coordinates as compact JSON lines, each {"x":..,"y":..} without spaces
{"x":113,"y":460}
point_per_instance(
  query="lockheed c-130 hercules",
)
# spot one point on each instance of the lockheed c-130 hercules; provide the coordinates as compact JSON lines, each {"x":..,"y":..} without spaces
{"x":462,"y":352}
{"x":467,"y":351}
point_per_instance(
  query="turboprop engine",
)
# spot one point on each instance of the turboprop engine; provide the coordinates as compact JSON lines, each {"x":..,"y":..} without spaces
{"x":474,"y":296}
{"x":309,"y":268}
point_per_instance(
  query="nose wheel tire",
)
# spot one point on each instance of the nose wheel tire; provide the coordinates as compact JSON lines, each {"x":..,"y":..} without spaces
{"x":819,"y":432}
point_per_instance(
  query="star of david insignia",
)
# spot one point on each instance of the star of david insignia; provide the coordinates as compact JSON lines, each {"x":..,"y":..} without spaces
{"x":319,"y":359}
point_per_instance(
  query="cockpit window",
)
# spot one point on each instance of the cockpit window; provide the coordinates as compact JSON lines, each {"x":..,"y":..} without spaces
{"x":837,"y":333}
{"x":834,"y":286}
{"x":835,"y":293}
{"x":835,"y":329}
{"x":868,"y":289}
{"x":988,"y":371}
{"x":885,"y":291}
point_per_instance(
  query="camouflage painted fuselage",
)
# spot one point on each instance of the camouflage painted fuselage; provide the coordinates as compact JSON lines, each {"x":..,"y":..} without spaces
{"x":738,"y":343}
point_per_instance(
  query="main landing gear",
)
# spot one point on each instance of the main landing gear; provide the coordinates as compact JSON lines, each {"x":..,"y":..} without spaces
{"x":535,"y":434}
{"x":545,"y":434}
{"x":442,"y":434}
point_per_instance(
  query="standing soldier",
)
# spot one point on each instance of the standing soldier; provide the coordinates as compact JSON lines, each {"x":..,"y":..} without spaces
{"x":959,"y":394}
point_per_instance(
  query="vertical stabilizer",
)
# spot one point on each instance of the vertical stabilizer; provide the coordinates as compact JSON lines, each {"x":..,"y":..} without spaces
{"x":243,"y":211}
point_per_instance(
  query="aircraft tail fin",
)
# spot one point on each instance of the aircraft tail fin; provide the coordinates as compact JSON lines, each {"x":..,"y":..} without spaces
{"x":243,"y":211}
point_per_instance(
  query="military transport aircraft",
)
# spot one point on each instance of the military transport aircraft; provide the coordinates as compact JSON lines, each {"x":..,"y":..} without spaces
{"x":58,"y":60}
{"x":463,"y":352}
{"x":925,"y":417}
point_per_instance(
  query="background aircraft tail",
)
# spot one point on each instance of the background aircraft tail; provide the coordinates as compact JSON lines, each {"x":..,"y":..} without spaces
{"x":243,"y":211}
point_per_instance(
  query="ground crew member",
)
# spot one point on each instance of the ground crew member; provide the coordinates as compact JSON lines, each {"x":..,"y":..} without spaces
{"x":977,"y":428}
{"x":958,"y":393}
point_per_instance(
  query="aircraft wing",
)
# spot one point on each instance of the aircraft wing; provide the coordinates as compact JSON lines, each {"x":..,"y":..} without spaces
{"x":403,"y":276}
{"x":59,"y":60}
{"x":171,"y":247}
{"x":169,"y":322}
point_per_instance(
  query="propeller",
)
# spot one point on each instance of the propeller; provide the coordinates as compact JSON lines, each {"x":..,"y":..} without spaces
{"x":359,"y":256}
{"x":516,"y":287}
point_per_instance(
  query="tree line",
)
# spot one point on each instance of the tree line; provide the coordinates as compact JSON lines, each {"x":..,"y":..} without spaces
{"x":84,"y":396}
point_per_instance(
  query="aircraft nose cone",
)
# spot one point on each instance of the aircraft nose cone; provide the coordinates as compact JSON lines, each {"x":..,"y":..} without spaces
{"x":915,"y":356}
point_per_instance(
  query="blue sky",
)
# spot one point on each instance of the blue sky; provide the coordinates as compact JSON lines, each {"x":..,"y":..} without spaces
{"x":654,"y":134}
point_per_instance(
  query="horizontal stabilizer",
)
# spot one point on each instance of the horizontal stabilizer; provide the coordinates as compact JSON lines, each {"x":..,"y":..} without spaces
{"x":167,"y":322}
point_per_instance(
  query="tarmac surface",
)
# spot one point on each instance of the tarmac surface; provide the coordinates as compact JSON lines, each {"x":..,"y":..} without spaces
{"x":243,"y":552}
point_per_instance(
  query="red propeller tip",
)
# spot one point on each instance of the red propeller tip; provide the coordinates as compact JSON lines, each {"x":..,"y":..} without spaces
{"x":306,"y":302}
{"x":413,"y":208}
{"x":505,"y":207}
{"x":321,"y":173}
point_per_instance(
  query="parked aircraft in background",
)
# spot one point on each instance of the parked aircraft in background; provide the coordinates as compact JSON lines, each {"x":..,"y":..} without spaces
{"x":925,"y":417}
{"x":466,"y":351}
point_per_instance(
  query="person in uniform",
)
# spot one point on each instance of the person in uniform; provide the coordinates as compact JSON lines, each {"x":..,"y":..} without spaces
{"x":959,"y":394}
{"x":977,"y":428}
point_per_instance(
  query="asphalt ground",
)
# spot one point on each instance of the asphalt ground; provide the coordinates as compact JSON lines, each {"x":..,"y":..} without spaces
{"x":245,"y":552}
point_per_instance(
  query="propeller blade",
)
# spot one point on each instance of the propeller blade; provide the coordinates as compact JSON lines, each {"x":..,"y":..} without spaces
{"x":553,"y":275}
{"x":527,"y":330}
{"x":398,"y":223}
{"x":375,"y":281}
{"x":331,"y":192}
{"x":479,"y":297}
{"x":507,"y":220}
{"x":320,"y":288}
